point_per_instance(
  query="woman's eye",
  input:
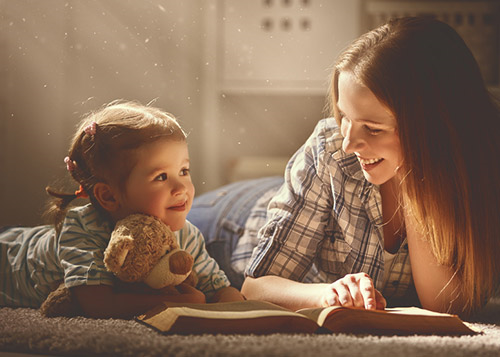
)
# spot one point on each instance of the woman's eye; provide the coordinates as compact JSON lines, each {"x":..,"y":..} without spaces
{"x":373,"y":131}
{"x":161,"y":177}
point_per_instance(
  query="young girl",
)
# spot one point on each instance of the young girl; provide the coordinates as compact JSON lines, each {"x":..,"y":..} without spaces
{"x":127,"y":158}
{"x":399,"y":193}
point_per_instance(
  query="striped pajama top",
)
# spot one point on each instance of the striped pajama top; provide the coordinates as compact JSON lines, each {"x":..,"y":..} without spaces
{"x":33,"y":261}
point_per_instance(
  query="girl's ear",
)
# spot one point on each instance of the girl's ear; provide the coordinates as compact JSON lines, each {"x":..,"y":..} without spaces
{"x":106,"y":197}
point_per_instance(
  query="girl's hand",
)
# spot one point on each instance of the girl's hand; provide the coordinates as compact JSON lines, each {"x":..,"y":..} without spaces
{"x":190,"y":294}
{"x":354,"y":290}
{"x":227,"y":294}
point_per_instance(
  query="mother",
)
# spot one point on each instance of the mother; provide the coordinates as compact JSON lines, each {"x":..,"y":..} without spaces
{"x":398,"y":194}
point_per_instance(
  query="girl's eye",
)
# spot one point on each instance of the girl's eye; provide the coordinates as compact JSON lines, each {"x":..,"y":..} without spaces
{"x":184,"y":172}
{"x":161,"y":177}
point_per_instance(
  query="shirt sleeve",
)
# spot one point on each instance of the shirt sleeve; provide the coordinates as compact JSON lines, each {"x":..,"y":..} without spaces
{"x":210,"y":277}
{"x":81,"y":253}
{"x":298,"y":216}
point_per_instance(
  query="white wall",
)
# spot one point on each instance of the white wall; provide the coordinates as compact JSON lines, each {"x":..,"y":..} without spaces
{"x":60,"y":59}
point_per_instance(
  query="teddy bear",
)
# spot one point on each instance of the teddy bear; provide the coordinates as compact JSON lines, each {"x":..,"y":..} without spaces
{"x":141,"y":249}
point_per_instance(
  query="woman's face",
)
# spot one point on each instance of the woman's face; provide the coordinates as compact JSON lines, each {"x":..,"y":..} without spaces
{"x":369,"y":129}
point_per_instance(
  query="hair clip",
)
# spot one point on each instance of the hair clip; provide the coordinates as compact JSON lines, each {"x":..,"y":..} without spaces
{"x":91,"y":129}
{"x":80,"y":193}
{"x":70,"y":164}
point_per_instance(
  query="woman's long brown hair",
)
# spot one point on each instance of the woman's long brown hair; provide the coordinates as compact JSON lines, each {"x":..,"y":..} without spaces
{"x":448,"y":125}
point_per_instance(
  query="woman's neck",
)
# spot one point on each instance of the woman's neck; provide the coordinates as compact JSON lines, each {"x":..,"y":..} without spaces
{"x":392,"y":215}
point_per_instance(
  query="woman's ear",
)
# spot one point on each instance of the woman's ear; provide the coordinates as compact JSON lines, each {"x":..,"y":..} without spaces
{"x":106,"y":197}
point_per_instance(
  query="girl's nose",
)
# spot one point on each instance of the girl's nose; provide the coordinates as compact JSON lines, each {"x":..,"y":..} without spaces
{"x":178,"y":187}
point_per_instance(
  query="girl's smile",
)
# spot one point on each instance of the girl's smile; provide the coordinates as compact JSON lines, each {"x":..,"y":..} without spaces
{"x":178,"y":207}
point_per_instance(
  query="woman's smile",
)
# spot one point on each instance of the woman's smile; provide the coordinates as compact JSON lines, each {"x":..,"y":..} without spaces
{"x":369,"y":164}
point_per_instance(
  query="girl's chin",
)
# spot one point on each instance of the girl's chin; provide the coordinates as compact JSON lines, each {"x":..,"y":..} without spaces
{"x":175,"y":226}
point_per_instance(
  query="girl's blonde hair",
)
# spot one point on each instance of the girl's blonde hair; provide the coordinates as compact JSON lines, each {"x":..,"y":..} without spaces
{"x":106,"y":152}
{"x":448,"y":125}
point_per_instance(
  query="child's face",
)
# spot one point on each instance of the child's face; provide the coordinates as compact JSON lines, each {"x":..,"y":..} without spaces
{"x":369,"y":130}
{"x":160,"y":183}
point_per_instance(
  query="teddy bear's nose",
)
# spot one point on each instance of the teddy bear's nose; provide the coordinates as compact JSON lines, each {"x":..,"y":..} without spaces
{"x":181,"y":262}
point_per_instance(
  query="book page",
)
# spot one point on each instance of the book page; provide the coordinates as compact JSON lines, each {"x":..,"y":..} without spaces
{"x":247,"y":305}
{"x":318,"y":314}
{"x":414,"y":311}
{"x":233,"y":317}
{"x":392,"y":321}
{"x":219,"y":312}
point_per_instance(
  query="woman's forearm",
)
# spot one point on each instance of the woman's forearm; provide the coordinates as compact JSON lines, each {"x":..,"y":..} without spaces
{"x":284,"y":292}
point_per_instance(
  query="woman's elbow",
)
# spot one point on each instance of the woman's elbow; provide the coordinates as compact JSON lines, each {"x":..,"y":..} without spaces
{"x":449,"y":304}
{"x":248,"y":288}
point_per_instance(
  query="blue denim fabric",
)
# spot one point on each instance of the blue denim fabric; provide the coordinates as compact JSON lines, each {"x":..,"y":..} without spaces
{"x":221,"y":215}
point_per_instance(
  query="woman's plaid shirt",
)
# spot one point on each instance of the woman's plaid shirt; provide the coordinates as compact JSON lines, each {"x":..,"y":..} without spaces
{"x":326,"y":221}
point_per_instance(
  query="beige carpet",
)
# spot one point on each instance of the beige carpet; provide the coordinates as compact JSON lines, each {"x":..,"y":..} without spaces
{"x":26,"y":331}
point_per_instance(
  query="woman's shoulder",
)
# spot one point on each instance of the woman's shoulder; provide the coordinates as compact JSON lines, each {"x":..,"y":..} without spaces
{"x":327,"y":132}
{"x":328,"y":141}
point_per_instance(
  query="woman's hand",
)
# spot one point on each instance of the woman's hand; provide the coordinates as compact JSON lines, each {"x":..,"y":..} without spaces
{"x":354,"y":290}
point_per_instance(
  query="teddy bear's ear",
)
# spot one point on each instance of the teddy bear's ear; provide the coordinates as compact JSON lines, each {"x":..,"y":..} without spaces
{"x":116,"y":253}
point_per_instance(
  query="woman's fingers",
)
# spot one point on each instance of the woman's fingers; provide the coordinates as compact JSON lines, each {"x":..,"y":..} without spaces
{"x":343,"y":291}
{"x":355,"y":290}
{"x":367,"y":291}
{"x":381,"y":302}
{"x":331,"y":298}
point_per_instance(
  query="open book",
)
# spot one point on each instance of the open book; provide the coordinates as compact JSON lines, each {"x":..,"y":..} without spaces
{"x":259,"y":317}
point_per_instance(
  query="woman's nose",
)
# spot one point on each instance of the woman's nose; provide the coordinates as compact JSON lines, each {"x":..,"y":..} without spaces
{"x":352,"y":141}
